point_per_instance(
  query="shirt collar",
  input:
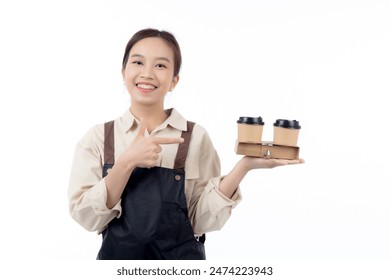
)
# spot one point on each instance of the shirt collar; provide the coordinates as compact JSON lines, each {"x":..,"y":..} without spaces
{"x":175,"y":120}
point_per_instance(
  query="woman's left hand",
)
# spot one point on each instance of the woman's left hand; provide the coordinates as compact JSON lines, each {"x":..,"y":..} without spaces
{"x":255,"y":162}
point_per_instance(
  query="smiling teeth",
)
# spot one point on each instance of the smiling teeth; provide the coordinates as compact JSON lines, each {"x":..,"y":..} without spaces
{"x":146,"y":86}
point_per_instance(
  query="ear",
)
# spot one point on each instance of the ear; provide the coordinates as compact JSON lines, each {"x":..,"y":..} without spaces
{"x":123,"y":73}
{"x":174,"y":81}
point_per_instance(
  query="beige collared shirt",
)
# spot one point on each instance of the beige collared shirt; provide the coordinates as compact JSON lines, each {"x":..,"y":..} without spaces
{"x":208,"y":208}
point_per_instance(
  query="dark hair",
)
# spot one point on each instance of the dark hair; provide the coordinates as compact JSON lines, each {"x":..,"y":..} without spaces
{"x":166,"y":36}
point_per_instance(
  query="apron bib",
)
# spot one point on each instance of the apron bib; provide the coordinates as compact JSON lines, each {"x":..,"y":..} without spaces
{"x":154,"y":223}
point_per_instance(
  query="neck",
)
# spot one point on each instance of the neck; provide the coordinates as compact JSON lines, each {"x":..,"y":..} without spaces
{"x":150,"y":116}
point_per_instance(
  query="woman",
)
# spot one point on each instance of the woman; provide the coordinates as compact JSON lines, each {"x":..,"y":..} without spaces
{"x":150,"y":181}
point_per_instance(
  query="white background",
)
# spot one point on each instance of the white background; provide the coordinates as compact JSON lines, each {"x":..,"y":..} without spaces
{"x":324,"y":63}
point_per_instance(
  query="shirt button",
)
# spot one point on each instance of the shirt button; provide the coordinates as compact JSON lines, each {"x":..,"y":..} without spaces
{"x":177,"y":177}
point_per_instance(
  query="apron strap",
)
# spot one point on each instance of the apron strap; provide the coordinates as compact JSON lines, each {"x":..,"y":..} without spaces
{"x":182,"y":151}
{"x":109,"y":143}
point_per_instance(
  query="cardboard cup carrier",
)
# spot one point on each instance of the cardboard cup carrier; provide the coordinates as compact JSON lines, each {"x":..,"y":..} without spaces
{"x":284,"y":145}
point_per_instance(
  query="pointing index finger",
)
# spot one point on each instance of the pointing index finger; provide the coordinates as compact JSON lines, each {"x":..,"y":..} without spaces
{"x":167,"y":140}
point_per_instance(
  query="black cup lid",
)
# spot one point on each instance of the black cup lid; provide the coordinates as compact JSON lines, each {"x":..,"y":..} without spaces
{"x":251,"y":120}
{"x":287,"y":124}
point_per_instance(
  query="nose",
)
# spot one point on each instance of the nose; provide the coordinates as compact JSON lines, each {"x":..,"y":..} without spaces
{"x":147,"y":72}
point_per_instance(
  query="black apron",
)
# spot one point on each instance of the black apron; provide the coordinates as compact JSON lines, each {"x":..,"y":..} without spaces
{"x":154,"y":223}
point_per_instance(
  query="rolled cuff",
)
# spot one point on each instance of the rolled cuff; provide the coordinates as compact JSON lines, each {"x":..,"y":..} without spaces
{"x":98,"y":197}
{"x":92,"y":212}
{"x":218,"y":199}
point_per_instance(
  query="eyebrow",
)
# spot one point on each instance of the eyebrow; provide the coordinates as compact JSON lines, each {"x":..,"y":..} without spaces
{"x":158,"y":58}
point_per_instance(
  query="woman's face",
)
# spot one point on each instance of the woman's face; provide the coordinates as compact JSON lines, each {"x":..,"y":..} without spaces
{"x":148,"y":75}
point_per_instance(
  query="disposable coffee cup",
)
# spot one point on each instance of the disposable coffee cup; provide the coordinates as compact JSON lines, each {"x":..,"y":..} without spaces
{"x":250,"y":130}
{"x":286,"y":132}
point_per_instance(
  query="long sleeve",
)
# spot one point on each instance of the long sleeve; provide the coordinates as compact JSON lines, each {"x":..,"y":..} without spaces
{"x":209,"y":209}
{"x":87,"y":191}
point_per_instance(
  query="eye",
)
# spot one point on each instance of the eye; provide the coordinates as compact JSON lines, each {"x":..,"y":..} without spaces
{"x":137,"y":62}
{"x":160,"y":65}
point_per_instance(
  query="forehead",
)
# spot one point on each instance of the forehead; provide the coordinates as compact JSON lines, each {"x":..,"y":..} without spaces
{"x":152,"y":47}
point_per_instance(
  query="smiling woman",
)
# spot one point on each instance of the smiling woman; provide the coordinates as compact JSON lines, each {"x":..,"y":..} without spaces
{"x":149,"y":77}
{"x":150,"y":181}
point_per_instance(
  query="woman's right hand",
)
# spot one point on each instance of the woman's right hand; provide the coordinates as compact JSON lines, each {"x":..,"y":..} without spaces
{"x":144,"y":151}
